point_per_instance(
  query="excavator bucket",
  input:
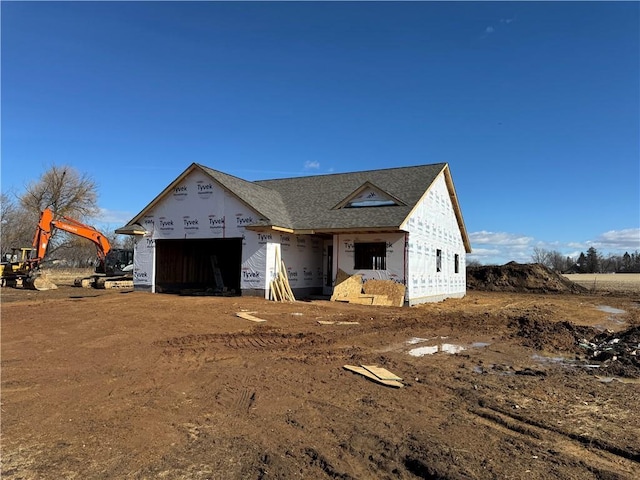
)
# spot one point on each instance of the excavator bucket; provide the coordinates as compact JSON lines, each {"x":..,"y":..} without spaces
{"x":39,"y":282}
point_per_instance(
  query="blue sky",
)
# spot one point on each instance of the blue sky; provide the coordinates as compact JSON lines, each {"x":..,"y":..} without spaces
{"x":534,"y":105}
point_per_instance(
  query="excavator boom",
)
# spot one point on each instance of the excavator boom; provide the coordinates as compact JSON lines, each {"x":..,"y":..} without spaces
{"x":45,"y":229}
{"x":114,"y":264}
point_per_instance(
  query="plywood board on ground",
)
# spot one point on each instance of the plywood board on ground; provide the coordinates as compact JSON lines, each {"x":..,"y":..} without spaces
{"x":394,"y":291}
{"x":248,"y":316}
{"x":330,"y":322}
{"x":362,"y":300}
{"x":382,"y":373}
{"x":366,"y":373}
{"x":382,"y":300}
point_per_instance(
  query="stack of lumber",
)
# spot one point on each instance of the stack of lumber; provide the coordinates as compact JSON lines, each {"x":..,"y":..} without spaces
{"x":279,"y":288}
{"x":350,"y":288}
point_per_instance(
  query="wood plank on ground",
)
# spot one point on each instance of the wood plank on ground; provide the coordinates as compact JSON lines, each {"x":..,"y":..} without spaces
{"x":366,"y":373}
{"x":382,"y":373}
{"x":248,"y":316}
{"x":331,"y":322}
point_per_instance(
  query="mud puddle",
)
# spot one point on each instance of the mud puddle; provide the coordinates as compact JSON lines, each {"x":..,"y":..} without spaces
{"x":450,"y":348}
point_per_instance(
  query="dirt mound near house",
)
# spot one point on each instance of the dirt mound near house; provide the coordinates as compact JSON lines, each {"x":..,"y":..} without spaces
{"x":550,"y":335}
{"x":521,"y":278}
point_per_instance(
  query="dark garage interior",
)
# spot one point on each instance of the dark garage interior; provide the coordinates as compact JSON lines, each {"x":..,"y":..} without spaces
{"x":205,"y":265}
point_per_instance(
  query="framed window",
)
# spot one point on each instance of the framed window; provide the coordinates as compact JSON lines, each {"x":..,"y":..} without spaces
{"x":438,"y":260}
{"x":456,"y":263}
{"x":370,"y":256}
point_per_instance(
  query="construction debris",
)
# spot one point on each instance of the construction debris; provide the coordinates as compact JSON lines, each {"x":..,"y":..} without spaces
{"x":347,"y":287}
{"x":382,"y":373}
{"x":392,"y":292}
{"x":39,"y":281}
{"x":350,"y":289}
{"x":279,"y":287}
{"x":330,"y":322}
{"x":368,"y":372}
{"x":248,"y":316}
{"x":619,"y":352}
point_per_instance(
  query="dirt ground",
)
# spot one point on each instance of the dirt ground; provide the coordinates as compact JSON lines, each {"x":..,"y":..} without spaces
{"x":100,"y":384}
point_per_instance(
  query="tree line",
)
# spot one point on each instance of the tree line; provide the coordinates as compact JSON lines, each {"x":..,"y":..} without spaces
{"x":590,"y":262}
{"x":66,"y":192}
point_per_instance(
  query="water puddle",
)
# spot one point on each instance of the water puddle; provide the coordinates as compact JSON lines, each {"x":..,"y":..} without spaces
{"x":553,"y":360}
{"x":414,"y":340}
{"x":608,"y":309}
{"x":612,"y":319}
{"x":422,"y":351}
{"x":450,"y":348}
{"x":618,"y":379}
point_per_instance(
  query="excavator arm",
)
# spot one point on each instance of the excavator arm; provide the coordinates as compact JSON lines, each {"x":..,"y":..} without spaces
{"x":41,"y":239}
{"x":113,"y":269}
{"x":45,"y":229}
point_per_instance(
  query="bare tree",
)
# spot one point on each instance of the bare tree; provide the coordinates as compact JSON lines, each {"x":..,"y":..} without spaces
{"x":473,"y":263}
{"x":65,"y":191}
{"x":542,"y":256}
{"x":557,"y":261}
{"x":14,"y":231}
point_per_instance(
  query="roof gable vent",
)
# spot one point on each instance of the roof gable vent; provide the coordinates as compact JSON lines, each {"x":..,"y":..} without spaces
{"x":368,"y":195}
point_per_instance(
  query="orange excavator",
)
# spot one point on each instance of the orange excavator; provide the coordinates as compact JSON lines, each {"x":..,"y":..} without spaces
{"x":114,"y":267}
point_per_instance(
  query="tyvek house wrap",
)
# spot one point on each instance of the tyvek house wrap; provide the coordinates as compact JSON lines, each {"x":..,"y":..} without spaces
{"x":199,"y":208}
{"x":433,"y":226}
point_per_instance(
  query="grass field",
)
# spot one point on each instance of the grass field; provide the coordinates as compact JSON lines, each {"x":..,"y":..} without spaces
{"x":621,"y":282}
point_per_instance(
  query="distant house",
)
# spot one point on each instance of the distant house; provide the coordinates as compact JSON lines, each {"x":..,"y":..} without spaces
{"x":208,"y":229}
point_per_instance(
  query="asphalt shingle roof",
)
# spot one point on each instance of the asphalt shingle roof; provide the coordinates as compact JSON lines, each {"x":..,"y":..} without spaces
{"x":310,"y":201}
{"x":307,"y":203}
{"x":264,"y":200}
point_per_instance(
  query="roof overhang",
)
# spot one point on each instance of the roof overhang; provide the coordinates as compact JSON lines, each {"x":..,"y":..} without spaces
{"x":133,"y":229}
{"x":325,"y":231}
{"x":454,"y":202}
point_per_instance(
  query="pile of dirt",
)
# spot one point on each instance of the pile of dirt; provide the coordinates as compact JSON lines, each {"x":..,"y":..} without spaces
{"x":521,"y":278}
{"x":550,"y":335}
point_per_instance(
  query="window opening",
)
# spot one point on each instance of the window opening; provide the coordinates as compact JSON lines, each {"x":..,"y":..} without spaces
{"x":370,"y":256}
{"x":438,"y":260}
{"x":456,"y":263}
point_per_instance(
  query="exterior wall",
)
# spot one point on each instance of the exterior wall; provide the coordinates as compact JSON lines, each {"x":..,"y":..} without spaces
{"x":343,"y":255}
{"x":144,"y":261}
{"x":302,"y":256}
{"x":433,"y":226}
{"x":199,"y":208}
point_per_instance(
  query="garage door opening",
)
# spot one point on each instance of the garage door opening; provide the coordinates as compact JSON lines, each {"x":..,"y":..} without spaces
{"x":203,"y":265}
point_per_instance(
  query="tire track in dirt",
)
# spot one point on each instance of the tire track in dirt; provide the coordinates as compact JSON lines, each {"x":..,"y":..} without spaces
{"x":595,"y":454}
{"x":196,"y":350}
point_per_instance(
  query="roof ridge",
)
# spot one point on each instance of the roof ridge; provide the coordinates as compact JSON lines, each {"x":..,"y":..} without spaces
{"x":252,"y":182}
{"x":353,"y":172}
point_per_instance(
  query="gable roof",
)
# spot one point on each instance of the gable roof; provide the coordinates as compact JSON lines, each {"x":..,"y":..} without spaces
{"x":266,"y":203}
{"x":308,"y":204}
{"x":311,"y":200}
